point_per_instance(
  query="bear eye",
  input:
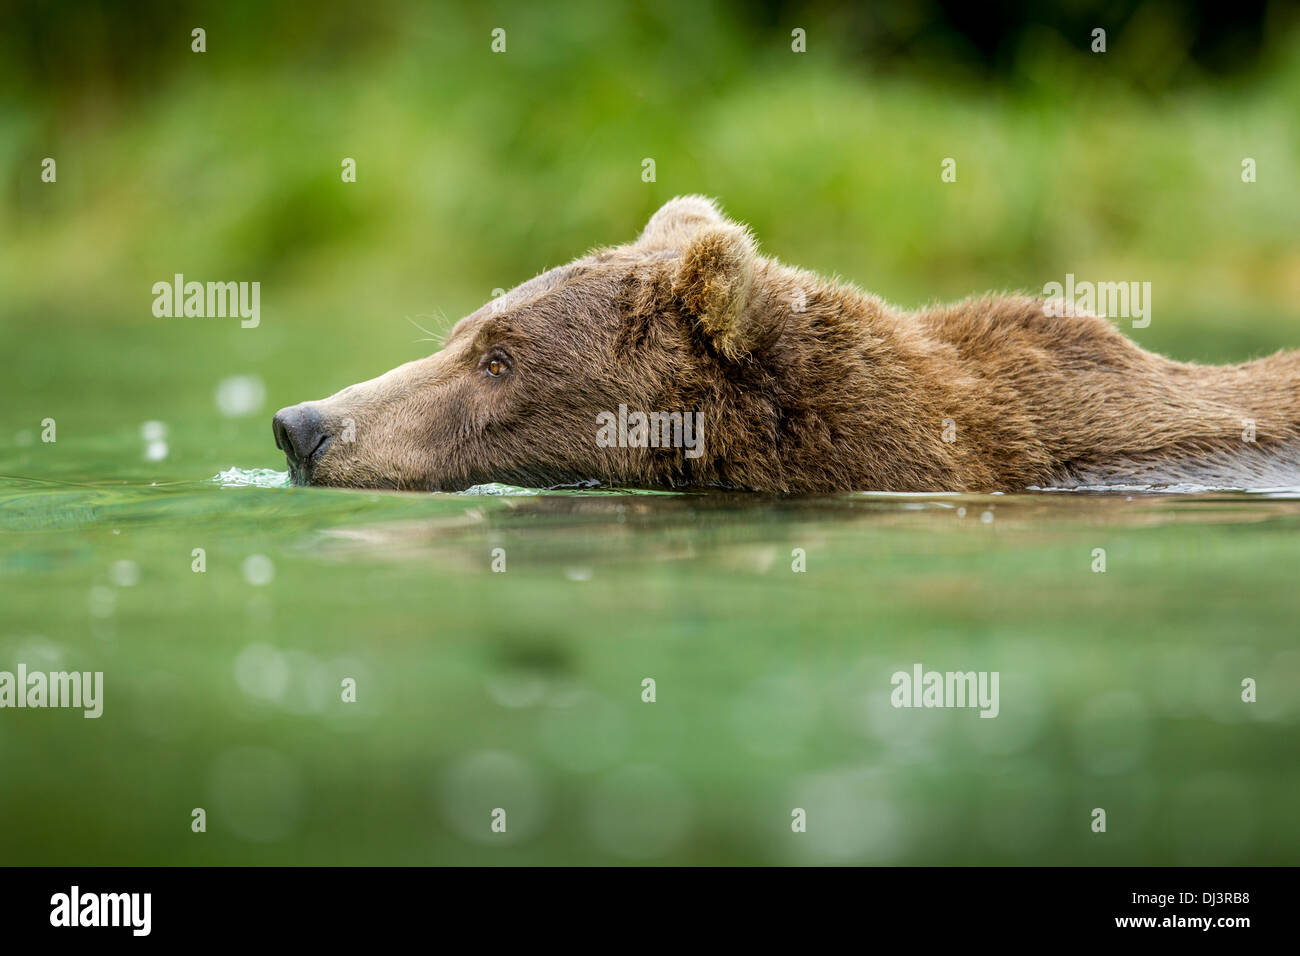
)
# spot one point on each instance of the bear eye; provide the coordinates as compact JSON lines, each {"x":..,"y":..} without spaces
{"x":495,"y":367}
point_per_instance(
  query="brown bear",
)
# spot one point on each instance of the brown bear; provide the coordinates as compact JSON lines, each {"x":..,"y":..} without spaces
{"x":687,"y":360}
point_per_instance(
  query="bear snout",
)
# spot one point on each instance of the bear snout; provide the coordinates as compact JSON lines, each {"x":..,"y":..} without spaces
{"x":301,"y":434}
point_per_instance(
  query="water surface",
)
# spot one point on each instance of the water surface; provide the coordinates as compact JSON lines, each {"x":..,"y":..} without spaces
{"x":478,"y":690}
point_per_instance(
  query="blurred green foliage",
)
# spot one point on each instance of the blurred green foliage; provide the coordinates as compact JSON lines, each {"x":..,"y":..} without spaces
{"x":478,"y":169}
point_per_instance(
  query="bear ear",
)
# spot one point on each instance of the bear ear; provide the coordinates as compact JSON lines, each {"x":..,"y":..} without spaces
{"x":677,"y":220}
{"x":714,"y":281}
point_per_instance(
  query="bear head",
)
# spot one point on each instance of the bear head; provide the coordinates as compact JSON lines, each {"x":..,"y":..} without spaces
{"x":585,"y":373}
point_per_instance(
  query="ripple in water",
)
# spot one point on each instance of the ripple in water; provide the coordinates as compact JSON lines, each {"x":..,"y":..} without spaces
{"x":253,"y":478}
{"x":1181,"y":488}
{"x":270,"y":478}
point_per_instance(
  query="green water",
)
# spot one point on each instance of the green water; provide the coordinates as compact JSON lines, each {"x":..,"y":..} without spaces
{"x":522,"y":690}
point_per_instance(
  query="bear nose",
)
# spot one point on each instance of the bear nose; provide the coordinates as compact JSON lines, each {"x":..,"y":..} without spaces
{"x":299,"y":433}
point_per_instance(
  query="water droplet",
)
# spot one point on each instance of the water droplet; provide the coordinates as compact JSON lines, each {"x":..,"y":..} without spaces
{"x":261,"y":671}
{"x":125,"y":574}
{"x":476,"y":785}
{"x":103,"y":602}
{"x":240,"y":395}
{"x":259,"y":570}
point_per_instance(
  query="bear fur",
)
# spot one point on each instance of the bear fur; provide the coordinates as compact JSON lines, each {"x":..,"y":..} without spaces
{"x":801,"y":385}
